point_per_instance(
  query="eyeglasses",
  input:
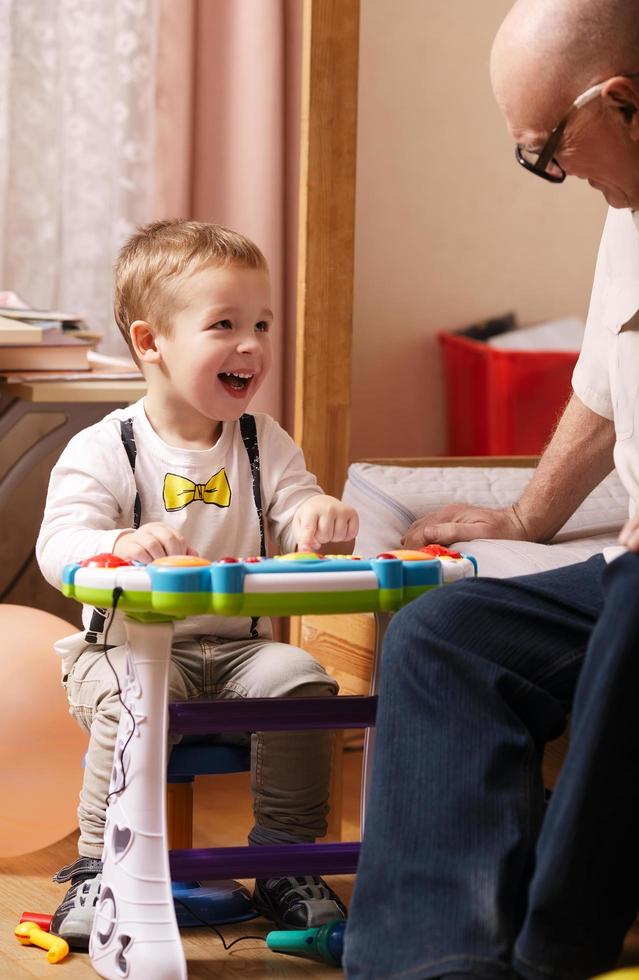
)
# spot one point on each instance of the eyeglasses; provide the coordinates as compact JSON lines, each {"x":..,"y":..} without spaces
{"x":543,"y":162}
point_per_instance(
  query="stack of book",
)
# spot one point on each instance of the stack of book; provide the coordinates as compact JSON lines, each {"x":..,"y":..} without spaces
{"x":43,"y":340}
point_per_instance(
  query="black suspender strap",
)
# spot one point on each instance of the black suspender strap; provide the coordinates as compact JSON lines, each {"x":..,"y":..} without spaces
{"x":248,"y":430}
{"x":249,"y":437}
{"x":128,"y":441}
{"x":98,"y":616}
{"x":98,"y":619}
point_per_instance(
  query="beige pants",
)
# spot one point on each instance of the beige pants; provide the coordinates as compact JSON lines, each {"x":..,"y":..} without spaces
{"x":290,"y":771}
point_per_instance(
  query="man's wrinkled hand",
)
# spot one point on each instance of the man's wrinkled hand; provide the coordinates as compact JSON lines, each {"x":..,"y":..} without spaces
{"x":464,"y":522}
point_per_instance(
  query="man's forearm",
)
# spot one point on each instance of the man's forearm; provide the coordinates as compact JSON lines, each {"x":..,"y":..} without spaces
{"x":577,"y":458}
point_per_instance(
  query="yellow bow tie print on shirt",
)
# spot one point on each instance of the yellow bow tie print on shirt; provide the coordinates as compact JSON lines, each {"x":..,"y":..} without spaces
{"x":179,"y":492}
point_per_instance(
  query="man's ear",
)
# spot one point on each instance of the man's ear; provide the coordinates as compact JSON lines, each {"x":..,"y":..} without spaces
{"x":143,"y":341}
{"x":621,"y":96}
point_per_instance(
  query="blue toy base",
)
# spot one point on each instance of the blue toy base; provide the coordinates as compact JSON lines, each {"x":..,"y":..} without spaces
{"x":213,"y":903}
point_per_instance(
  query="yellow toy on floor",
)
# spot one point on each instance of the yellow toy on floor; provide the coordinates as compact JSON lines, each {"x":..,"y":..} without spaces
{"x":29,"y":934}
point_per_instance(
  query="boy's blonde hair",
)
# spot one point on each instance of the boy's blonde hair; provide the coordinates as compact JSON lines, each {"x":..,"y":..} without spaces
{"x":152,"y":262}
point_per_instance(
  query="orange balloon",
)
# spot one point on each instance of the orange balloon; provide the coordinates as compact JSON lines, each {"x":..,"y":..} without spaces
{"x":41,"y":745}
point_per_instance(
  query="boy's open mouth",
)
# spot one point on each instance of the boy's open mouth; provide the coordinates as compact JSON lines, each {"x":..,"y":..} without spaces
{"x":236,"y":381}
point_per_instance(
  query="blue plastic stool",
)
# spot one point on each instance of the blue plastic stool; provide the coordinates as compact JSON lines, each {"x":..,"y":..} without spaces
{"x":219,"y":901}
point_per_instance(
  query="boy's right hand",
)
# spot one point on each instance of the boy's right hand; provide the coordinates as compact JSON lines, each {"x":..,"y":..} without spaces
{"x":151,"y":541}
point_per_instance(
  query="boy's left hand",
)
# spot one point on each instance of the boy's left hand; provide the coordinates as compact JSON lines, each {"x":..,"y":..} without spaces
{"x":323,"y":520}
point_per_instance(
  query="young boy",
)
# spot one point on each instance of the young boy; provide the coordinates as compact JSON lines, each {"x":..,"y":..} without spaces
{"x":193,"y":302}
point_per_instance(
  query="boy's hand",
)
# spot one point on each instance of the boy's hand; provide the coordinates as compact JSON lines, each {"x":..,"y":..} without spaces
{"x":151,"y":541}
{"x":322,"y":519}
{"x":629,"y":534}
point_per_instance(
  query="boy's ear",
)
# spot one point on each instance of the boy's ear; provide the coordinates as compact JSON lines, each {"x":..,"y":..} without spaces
{"x":143,"y":341}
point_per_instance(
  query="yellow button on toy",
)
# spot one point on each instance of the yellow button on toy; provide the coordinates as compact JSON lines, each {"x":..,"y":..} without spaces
{"x":181,"y":561}
{"x":300,"y":556}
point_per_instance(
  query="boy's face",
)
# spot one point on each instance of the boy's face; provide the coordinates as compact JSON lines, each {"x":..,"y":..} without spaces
{"x":219,"y":351}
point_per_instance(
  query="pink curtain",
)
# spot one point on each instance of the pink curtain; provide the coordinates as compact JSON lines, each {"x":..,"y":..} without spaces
{"x":227,"y":140}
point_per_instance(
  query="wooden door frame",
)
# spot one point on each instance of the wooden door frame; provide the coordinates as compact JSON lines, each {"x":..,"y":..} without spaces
{"x":330,"y":49}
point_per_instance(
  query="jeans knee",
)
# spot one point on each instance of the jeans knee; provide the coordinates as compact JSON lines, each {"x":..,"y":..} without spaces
{"x":429,"y":618}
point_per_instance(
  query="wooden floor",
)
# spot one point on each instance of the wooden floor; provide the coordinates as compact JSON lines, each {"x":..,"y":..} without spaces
{"x":223,"y":817}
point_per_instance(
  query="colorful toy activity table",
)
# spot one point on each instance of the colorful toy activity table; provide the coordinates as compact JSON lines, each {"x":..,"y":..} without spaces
{"x":135,"y":933}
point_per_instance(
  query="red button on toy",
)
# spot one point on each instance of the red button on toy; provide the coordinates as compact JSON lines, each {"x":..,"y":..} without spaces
{"x":104,"y":561}
{"x":437,"y":551}
{"x":228,"y":560}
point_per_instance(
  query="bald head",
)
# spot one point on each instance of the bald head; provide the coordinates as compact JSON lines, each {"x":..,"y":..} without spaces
{"x":547,"y":53}
{"x":561,"y":47}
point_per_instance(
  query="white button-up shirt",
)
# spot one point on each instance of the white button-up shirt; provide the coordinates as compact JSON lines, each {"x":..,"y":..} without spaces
{"x":606,"y":376}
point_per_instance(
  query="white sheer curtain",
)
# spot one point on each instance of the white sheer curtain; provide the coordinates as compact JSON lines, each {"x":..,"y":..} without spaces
{"x":228,"y":98}
{"x":77,"y":108}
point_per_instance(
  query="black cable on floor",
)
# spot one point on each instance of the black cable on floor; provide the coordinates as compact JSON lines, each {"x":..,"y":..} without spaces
{"x":217,"y":932}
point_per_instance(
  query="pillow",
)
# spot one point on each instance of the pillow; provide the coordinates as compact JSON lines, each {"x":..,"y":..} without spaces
{"x":390,"y":498}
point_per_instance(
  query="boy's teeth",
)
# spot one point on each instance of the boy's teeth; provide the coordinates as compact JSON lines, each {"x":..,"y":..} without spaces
{"x":237,"y":379}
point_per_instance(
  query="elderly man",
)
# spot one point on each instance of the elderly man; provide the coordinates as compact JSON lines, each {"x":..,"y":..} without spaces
{"x":462,"y":873}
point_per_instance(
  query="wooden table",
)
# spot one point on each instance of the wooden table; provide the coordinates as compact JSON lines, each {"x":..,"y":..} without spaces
{"x":79,"y":403}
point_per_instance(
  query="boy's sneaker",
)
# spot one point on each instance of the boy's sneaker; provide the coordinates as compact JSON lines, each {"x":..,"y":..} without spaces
{"x":297,"y":903}
{"x":73,"y":918}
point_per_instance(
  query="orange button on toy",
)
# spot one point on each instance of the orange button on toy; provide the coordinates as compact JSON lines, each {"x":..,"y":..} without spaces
{"x":181,"y":561}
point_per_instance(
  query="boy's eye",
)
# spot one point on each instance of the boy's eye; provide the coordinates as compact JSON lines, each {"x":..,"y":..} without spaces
{"x":262,"y":326}
{"x":222,"y":325}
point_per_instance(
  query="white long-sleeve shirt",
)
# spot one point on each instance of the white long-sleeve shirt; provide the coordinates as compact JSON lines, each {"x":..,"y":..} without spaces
{"x":92,"y":494}
{"x":606,"y":377}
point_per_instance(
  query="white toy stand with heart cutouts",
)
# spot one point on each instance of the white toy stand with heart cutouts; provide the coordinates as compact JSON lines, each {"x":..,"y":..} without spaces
{"x":135,"y":933}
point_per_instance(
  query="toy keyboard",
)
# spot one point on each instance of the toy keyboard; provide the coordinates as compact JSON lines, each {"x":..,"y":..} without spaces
{"x":287,"y":585}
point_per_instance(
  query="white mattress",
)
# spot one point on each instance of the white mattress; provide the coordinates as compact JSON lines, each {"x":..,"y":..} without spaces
{"x":390,"y":498}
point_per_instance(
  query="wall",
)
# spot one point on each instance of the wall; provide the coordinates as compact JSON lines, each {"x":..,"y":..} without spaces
{"x":449,"y":229}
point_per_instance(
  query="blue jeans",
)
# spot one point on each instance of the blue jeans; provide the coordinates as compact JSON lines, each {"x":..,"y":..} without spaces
{"x":463,"y":868}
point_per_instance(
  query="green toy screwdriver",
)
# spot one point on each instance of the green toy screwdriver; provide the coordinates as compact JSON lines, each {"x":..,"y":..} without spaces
{"x":324,"y":943}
